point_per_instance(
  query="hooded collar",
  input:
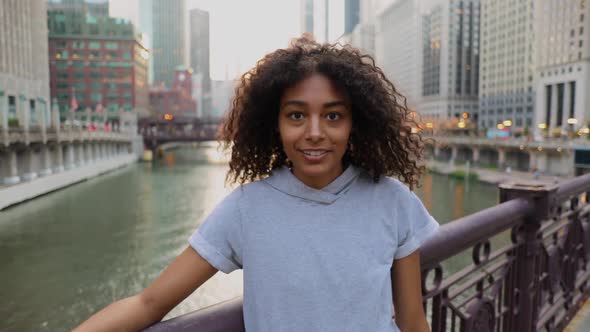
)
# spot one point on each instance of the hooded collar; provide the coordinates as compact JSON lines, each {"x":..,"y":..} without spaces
{"x":283,"y":180}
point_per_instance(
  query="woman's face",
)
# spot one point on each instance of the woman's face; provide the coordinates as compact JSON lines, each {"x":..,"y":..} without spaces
{"x":315,"y":120}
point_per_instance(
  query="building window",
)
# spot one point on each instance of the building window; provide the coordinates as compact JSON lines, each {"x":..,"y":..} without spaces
{"x":94,"y":45}
{"x":61,"y":44}
{"x":111,"y":45}
{"x":62,"y":55}
{"x":572,"y":98}
{"x":80,"y":85}
{"x":11,"y":107}
{"x":559,"y":104}
{"x":95,"y":74}
{"x":79,"y":75}
{"x":97,"y":97}
{"x":78,"y":44}
{"x":96,"y":86}
{"x":62,"y":74}
{"x":62,"y":85}
{"x":548,"y":104}
{"x":581,"y":30}
{"x":32,"y":110}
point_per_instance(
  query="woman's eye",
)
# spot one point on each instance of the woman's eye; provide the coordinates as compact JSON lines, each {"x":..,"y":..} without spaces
{"x":296,"y":116}
{"x":333,"y":116}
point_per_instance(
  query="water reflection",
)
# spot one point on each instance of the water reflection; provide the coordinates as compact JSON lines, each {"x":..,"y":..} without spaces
{"x":448,"y":199}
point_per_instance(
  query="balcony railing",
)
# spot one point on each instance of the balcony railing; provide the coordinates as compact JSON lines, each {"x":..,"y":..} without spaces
{"x":535,"y":281}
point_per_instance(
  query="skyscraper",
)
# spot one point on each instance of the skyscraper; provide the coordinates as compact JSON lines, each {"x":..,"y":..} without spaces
{"x":450,"y":72}
{"x":165,"y":22}
{"x":399,"y":47}
{"x":307,"y":16}
{"x":351,"y":15}
{"x":315,"y":19}
{"x":199,"y":55}
{"x":563,"y":66}
{"x":24,"y":70}
{"x":506,"y":89}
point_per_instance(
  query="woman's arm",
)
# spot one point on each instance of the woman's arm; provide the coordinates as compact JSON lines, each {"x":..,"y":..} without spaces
{"x":185,"y":274}
{"x":407,"y":294}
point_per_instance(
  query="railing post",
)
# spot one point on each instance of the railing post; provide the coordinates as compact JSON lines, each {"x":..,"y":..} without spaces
{"x":522,"y":286}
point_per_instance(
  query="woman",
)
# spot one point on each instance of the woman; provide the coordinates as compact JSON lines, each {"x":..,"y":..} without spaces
{"x":315,"y":131}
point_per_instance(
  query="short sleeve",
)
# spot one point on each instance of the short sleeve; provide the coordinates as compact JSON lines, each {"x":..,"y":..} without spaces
{"x":415,"y":224}
{"x":219,"y":238}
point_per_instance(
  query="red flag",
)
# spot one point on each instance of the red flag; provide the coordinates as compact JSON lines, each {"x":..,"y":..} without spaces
{"x":74,"y":102}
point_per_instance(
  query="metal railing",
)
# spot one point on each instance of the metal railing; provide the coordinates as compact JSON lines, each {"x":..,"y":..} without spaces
{"x":536,"y":282}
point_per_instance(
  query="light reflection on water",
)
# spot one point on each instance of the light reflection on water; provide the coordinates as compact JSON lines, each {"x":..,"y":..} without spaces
{"x":65,"y":255}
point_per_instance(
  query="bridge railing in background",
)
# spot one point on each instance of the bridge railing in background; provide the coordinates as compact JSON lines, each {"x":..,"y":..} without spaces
{"x":534,"y":281}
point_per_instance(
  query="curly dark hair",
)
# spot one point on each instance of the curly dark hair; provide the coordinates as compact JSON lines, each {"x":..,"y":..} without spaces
{"x":381,"y":141}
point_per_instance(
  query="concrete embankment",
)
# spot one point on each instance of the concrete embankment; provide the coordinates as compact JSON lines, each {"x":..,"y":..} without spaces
{"x":21,"y":192}
{"x":495,"y":176}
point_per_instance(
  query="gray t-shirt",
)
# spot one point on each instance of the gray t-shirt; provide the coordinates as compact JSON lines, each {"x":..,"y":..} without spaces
{"x":315,"y":260}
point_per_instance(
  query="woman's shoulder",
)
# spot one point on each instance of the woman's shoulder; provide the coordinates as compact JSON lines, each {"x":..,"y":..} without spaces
{"x":250,"y":189}
{"x":385,"y":184}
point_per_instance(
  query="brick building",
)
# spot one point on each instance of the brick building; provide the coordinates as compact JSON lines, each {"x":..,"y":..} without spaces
{"x":102,"y":60}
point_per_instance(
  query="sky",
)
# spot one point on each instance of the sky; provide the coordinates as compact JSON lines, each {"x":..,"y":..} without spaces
{"x":243,"y":31}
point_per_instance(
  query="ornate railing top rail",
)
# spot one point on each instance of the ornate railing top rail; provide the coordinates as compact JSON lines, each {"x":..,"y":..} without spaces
{"x":575,"y":186}
{"x":464,"y":233}
{"x":533,"y":282}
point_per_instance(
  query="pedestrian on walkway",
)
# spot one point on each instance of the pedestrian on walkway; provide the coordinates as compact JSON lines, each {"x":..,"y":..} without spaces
{"x":316,"y":223}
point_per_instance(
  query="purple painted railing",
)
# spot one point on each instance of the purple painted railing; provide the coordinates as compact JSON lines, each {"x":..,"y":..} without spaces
{"x":534,"y":281}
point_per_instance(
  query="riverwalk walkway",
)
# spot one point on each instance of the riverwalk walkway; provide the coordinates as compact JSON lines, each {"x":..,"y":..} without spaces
{"x":18,"y":193}
{"x":495,"y":176}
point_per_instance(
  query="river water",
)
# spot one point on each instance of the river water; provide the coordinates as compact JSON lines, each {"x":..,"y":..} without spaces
{"x":67,"y":254}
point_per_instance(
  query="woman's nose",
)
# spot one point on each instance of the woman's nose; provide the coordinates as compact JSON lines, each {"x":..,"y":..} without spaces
{"x":314,"y":130}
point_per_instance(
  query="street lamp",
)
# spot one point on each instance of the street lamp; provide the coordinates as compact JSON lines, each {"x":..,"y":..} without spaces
{"x":571,"y":122}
